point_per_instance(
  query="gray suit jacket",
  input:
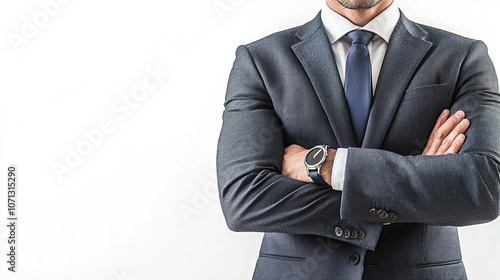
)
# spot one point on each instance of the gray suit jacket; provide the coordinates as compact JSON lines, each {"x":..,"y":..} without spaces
{"x":285,"y":89}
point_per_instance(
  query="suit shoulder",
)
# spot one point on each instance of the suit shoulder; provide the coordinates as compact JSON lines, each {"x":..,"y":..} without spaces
{"x":285,"y":37}
{"x":438,"y":35}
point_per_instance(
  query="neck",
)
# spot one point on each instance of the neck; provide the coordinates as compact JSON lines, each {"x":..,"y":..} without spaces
{"x":359,"y":17}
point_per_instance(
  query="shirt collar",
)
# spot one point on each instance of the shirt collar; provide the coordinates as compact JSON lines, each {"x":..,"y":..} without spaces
{"x":337,"y":26}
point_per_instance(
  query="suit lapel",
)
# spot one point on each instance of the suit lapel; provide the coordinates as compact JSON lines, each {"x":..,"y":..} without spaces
{"x":406,"y":50}
{"x":404,"y":53}
{"x":315,"y":55}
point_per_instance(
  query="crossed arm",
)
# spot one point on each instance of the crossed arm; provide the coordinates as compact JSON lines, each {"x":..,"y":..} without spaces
{"x":259,"y":191}
{"x":447,"y":137}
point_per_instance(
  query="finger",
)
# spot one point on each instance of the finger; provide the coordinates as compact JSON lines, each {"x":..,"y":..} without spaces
{"x":441,"y":119}
{"x":456,"y":144}
{"x":460,"y":128}
{"x":443,"y":131}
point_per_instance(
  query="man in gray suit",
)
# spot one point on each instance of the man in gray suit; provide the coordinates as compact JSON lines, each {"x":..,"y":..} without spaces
{"x":335,"y":203}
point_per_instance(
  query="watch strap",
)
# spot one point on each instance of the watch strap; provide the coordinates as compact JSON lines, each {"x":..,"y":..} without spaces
{"x":316,"y":177}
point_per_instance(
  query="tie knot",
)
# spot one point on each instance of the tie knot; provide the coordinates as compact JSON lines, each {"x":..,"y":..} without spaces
{"x":360,"y":36}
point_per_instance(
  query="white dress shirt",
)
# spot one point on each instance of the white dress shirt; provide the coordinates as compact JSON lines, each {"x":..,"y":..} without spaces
{"x":337,"y":27}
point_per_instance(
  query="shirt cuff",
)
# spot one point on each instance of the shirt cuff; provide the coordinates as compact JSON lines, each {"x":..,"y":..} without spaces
{"x":338,"y":170}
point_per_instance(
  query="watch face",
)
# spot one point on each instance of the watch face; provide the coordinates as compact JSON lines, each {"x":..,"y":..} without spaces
{"x":315,"y":156}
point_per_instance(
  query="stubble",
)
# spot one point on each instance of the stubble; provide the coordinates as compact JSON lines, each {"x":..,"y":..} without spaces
{"x":358,"y":4}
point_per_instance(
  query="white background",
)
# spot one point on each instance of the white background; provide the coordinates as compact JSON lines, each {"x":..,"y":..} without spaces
{"x":141,"y":202}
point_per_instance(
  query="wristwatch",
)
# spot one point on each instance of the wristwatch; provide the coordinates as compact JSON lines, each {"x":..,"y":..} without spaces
{"x":314,"y":160}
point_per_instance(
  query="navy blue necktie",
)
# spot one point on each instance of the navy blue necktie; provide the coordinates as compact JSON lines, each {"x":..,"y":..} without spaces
{"x":358,"y":82}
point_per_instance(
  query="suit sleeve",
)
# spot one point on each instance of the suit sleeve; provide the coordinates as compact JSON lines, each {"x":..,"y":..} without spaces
{"x":253,"y":194}
{"x":457,"y":189}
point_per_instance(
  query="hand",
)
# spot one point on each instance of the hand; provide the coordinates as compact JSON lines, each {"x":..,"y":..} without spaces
{"x":293,"y":164}
{"x":447,"y":136}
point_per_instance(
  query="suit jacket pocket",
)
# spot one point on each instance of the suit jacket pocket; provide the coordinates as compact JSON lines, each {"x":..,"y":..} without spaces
{"x":447,"y":270}
{"x":279,"y":246}
{"x":282,"y":257}
{"x":419,"y":108}
{"x":435,"y":264}
{"x":428,"y":91}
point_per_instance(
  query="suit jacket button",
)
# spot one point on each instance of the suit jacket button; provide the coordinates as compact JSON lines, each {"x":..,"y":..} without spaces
{"x":361,"y":234}
{"x":392,"y":216}
{"x":339,"y":232}
{"x":382,"y":214}
{"x":354,"y":233}
{"x":353,"y":258}
{"x":347,"y":233}
{"x":374,"y":212}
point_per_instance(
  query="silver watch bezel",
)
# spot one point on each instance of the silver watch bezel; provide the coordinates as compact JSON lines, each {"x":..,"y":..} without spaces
{"x":323,"y":159}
